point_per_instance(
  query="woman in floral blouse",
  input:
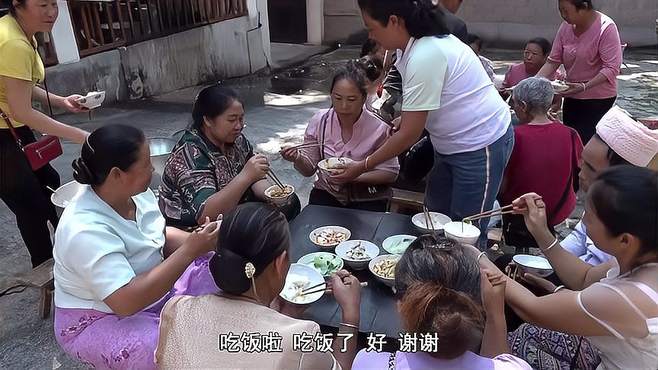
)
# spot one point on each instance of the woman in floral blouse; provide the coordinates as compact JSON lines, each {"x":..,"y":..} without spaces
{"x":213,"y":167}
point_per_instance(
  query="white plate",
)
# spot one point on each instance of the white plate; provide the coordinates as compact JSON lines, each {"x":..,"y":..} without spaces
{"x":372,"y":251}
{"x":559,"y":86}
{"x":302,"y":273}
{"x":309,"y":260}
{"x":92,"y":100}
{"x":439,"y":219}
{"x":391,"y":241}
{"x":65,"y":194}
{"x":314,"y":234}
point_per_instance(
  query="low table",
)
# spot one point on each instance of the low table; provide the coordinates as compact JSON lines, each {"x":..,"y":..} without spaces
{"x":378,"y":309}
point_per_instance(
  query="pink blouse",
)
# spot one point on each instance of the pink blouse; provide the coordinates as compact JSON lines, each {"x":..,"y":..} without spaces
{"x":518,"y":73}
{"x":368,"y":134}
{"x":597,"y":50}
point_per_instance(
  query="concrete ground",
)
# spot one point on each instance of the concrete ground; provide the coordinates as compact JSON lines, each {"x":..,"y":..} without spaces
{"x":278,"y":108}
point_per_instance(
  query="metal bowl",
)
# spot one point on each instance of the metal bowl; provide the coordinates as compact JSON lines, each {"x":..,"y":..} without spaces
{"x":161,"y":148}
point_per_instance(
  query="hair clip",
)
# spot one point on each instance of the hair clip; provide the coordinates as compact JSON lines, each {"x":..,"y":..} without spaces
{"x":249,"y":270}
{"x":89,"y":144}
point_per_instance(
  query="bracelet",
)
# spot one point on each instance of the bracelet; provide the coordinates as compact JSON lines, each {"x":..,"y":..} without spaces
{"x":550,"y":246}
{"x":559,"y":288}
{"x":480,"y":256}
{"x":366,"y":163}
{"x":349,"y":325}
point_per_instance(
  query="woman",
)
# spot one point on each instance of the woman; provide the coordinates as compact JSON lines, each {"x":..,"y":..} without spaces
{"x":24,"y":191}
{"x":250,"y":268}
{"x":443,"y":82}
{"x":535,"y":56}
{"x":541,"y":146}
{"x":588,"y":46}
{"x":439,"y":284}
{"x":346,"y":130}
{"x":614,"y":306}
{"x":111,"y":278}
{"x":213,"y":167}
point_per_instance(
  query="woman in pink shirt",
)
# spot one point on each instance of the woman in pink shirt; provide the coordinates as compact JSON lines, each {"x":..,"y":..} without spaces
{"x":535,"y":56}
{"x":346,"y":130}
{"x":588,"y":46}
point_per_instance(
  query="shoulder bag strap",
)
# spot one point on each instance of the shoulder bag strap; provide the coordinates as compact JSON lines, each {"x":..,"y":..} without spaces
{"x":11,"y":129}
{"x":323,"y":132}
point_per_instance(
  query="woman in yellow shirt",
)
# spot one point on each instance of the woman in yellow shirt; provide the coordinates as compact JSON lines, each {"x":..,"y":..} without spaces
{"x":23,"y":190}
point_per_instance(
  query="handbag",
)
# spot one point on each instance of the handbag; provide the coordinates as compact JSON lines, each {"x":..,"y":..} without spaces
{"x":357,"y":193}
{"x":40,"y":152}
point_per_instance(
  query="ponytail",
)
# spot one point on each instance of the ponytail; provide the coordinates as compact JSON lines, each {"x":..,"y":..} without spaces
{"x":422,"y":18}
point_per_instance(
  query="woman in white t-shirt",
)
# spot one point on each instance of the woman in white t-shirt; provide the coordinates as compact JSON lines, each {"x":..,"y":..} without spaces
{"x":111,"y":275}
{"x":447,"y":92}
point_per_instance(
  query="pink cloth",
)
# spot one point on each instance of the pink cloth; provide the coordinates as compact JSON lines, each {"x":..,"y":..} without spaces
{"x":597,"y":50}
{"x":518,"y":73}
{"x":368,"y":134}
{"x":419,"y":360}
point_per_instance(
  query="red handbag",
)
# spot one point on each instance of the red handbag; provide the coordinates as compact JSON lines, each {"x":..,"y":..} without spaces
{"x":39,"y":153}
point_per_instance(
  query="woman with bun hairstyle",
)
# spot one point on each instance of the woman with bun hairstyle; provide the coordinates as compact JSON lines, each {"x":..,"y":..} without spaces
{"x":250,"y":268}
{"x":349,"y":130}
{"x":441,"y":293}
{"x":446,"y":91}
{"x":116,"y":263}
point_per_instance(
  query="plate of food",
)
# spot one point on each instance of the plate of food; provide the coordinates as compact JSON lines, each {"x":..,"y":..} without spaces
{"x":299,"y":278}
{"x":559,"y":86}
{"x":397,"y":244}
{"x":383,"y":267}
{"x":438,"y":220}
{"x":334,"y":165}
{"x":357,"y":253}
{"x":325,"y":263}
{"x":92,"y":100}
{"x":329,"y":236}
{"x":278,"y":195}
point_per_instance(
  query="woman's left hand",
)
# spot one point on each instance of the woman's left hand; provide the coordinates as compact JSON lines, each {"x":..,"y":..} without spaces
{"x":350,"y":173}
{"x":574,"y":88}
{"x":492,"y":286}
{"x":70,"y":103}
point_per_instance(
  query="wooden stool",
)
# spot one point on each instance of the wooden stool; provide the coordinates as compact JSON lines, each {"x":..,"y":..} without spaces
{"x":406,"y":200}
{"x":42,"y":277}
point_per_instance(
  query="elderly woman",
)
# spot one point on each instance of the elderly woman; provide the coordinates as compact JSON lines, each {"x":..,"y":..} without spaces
{"x":251,"y":268}
{"x":213,"y":168}
{"x":613,"y":306}
{"x":111,"y":275}
{"x":588,"y":46}
{"x":542,"y":146}
{"x":346,"y":130}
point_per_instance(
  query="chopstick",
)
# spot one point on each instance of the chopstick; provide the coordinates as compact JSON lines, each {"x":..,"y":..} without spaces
{"x":304,"y":146}
{"x":494,"y":212}
{"x":307,"y":291}
{"x":428,"y":219}
{"x":51,"y":189}
{"x":276,"y":180}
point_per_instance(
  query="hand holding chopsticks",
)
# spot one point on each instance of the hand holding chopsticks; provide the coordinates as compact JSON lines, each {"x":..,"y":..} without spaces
{"x":520,"y":205}
{"x":322,"y":287}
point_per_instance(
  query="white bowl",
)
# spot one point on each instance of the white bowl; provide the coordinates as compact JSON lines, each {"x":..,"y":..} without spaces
{"x":393,"y":244}
{"x":92,"y":100}
{"x":315,"y":233}
{"x":309,"y":260}
{"x":309,"y":276}
{"x":333,"y":165}
{"x":371,"y":266}
{"x":282,"y":200}
{"x":66,"y":193}
{"x":439,"y":219}
{"x":462,"y":232}
{"x":534,"y":264}
{"x":371,"y":250}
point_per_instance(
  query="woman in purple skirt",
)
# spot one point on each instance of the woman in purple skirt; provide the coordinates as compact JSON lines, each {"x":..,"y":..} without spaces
{"x":116,"y":263}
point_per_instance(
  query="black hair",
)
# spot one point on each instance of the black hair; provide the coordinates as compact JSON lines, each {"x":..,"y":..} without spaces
{"x":474,"y":39}
{"x":544,"y":44}
{"x":12,"y":7}
{"x":369,"y":47}
{"x":582,"y":4}
{"x":614,"y":159}
{"x":355,"y":72}
{"x":211,"y":102}
{"x":439,"y":285}
{"x":106,"y":148}
{"x":625,"y":199}
{"x":253,"y":233}
{"x":372,"y":67}
{"x":422,"y":18}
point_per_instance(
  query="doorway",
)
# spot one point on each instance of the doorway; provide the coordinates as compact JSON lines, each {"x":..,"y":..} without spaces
{"x":288,"y":21}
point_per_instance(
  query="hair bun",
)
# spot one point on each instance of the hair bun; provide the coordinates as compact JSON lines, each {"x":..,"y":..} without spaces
{"x":82,"y":173}
{"x":228,"y":271}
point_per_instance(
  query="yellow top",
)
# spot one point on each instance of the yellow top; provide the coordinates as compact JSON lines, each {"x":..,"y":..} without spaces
{"x":20,"y":60}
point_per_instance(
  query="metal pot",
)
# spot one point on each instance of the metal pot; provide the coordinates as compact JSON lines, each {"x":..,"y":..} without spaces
{"x":160,"y":148}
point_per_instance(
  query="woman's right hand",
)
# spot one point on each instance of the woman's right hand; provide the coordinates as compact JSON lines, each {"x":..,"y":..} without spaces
{"x":533,"y":209}
{"x":203,"y":239}
{"x":290,"y":154}
{"x":347,"y":292}
{"x":256,"y":168}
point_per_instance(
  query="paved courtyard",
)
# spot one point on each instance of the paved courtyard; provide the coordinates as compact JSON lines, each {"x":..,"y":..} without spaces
{"x":278,"y":108}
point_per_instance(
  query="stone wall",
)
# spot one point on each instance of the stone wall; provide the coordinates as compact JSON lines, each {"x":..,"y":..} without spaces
{"x":511,"y":22}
